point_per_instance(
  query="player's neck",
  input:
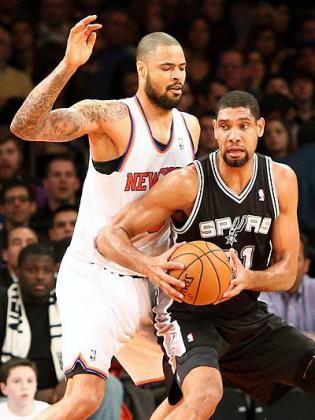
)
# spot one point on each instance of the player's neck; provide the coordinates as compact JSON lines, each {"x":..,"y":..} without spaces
{"x":235,"y":178}
{"x":152,"y":110}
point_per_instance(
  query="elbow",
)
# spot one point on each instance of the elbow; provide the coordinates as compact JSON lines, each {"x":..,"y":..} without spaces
{"x":102,"y":242}
{"x":17,"y":130}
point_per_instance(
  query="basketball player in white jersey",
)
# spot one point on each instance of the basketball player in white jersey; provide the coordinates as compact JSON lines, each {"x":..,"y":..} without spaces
{"x":132,"y":143}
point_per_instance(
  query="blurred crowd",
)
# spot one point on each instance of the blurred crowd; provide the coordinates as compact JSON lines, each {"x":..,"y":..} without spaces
{"x":264,"y":47}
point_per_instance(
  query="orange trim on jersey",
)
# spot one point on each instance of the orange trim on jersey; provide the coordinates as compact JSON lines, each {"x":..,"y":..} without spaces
{"x":189,"y":135}
{"x":150,"y":381}
{"x":79,"y":359}
{"x":153,"y":140}
{"x":130,"y":143}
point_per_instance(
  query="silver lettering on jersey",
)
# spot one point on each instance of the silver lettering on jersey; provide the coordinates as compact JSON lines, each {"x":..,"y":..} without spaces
{"x":225,"y":226}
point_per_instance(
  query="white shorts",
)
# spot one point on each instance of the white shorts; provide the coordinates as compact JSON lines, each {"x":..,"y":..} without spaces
{"x":105,"y":314}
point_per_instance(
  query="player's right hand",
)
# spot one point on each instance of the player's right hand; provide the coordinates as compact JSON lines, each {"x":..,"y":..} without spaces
{"x":81,"y":41}
{"x":157,"y":274}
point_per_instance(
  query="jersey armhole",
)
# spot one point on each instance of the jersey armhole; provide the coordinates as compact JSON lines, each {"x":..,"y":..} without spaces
{"x":130,"y":142}
{"x":198,"y":199}
{"x":189,"y":135}
{"x":272,"y":187}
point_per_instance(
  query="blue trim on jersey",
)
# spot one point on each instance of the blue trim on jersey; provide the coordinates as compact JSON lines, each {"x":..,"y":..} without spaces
{"x":158,"y":144}
{"x":129,"y":142}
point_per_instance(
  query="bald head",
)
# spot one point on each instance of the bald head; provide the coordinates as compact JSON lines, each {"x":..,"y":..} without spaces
{"x":150,"y":42}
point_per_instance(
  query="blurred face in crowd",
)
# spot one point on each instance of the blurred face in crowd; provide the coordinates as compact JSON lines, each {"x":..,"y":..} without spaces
{"x":276,"y":138}
{"x":17,"y":207}
{"x":207,"y":141}
{"x":20,"y":387}
{"x":63,"y":225}
{"x":278,"y":85}
{"x":130,"y":84}
{"x":4,"y":45}
{"x":213,"y":10}
{"x":163,"y":75}
{"x":237,"y":132}
{"x":199,"y":34}
{"x":22,"y":35}
{"x":198,"y":68}
{"x":61,"y":181}
{"x":187,"y":99}
{"x":36,"y":277}
{"x":18,"y":238}
{"x":266,"y":42}
{"x":255,"y":68}
{"x":231,"y":69}
{"x":216,"y":91}
{"x":308,"y":30}
{"x":10,"y":159}
{"x":303,"y":89}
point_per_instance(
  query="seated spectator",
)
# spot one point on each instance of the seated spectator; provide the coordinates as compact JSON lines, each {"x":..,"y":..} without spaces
{"x":207,"y":141}
{"x":303,"y":90}
{"x":296,"y":306}
{"x":30,"y":323}
{"x":231,"y":69}
{"x":17,"y":205}
{"x":18,"y":238}
{"x":277,"y":84}
{"x":62,"y":184}
{"x":18,"y":379}
{"x":13,"y":83}
{"x":11,"y":160}
{"x":277,"y":140}
{"x":63,"y":222}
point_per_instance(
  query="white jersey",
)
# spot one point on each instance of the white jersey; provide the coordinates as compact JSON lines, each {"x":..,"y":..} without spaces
{"x":142,"y":164}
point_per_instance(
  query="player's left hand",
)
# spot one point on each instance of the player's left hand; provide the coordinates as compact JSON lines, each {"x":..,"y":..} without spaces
{"x":239,"y":279}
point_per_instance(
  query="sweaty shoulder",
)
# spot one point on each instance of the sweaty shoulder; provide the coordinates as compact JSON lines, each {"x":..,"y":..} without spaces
{"x":286,"y":183}
{"x":193,"y":127}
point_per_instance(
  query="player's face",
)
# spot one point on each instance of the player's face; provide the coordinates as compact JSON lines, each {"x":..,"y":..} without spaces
{"x":165,"y":76}
{"x":237,"y":132}
{"x":21,"y":386}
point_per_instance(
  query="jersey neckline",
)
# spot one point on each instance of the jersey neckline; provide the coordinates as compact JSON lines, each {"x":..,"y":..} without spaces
{"x":239,"y":198}
{"x":155,"y":142}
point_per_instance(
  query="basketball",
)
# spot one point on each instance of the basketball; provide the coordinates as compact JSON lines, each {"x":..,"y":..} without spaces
{"x":207,"y":274}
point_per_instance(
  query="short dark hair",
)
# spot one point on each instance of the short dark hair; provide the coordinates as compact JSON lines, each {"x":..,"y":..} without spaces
{"x":59,"y":157}
{"x":36,"y":249}
{"x":239,"y":98}
{"x":150,"y":42}
{"x":15,"y":362}
{"x":14,"y":183}
{"x":61,"y":209}
{"x":6,"y":135}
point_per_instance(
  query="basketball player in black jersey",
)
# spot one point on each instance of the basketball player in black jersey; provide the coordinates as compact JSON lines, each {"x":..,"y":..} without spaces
{"x":235,"y":199}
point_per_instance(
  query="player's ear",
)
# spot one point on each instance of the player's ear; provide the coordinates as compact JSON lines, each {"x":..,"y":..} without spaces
{"x":260,"y":124}
{"x":141,"y":68}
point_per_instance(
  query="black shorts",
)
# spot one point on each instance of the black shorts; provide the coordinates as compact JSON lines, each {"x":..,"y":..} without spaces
{"x":257,"y":352}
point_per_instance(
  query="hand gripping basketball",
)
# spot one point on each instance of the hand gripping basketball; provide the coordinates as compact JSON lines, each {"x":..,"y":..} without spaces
{"x":207,"y":274}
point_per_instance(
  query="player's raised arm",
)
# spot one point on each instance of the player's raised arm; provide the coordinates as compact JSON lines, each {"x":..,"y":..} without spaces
{"x":175,"y":192}
{"x":35,"y":120}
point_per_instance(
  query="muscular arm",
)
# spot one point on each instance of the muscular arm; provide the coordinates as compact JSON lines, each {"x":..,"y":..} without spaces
{"x":176,"y":191}
{"x":281,"y":274}
{"x":36,"y":120}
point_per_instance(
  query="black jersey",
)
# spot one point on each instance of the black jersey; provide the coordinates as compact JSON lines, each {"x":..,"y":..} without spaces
{"x":243,"y":222}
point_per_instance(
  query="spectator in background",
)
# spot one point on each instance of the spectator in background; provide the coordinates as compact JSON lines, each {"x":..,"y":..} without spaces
{"x":214,"y":91}
{"x":199,"y":36}
{"x":207,"y":141}
{"x":18,"y":238}
{"x":63,"y":222}
{"x":198,"y":72}
{"x":277,"y":84}
{"x":302,"y":87}
{"x":277,"y":140}
{"x":62,"y":184}
{"x":18,"y":380}
{"x":30,"y":324}
{"x":23,"y":46}
{"x":255,"y":71}
{"x":231,"y":70}
{"x":11,"y":161}
{"x":54,"y":24}
{"x":187,"y":100}
{"x":17,"y":205}
{"x":296,"y":306}
{"x":13,"y":83}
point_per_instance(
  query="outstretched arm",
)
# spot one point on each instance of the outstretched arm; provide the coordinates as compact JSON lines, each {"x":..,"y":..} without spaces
{"x":176,"y":191}
{"x":35,"y":119}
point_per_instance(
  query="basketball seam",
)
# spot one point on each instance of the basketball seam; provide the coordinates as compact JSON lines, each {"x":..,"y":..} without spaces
{"x":199,"y":282}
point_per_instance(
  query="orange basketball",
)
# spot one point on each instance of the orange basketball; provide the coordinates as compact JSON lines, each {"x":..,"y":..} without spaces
{"x":207,"y":274}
